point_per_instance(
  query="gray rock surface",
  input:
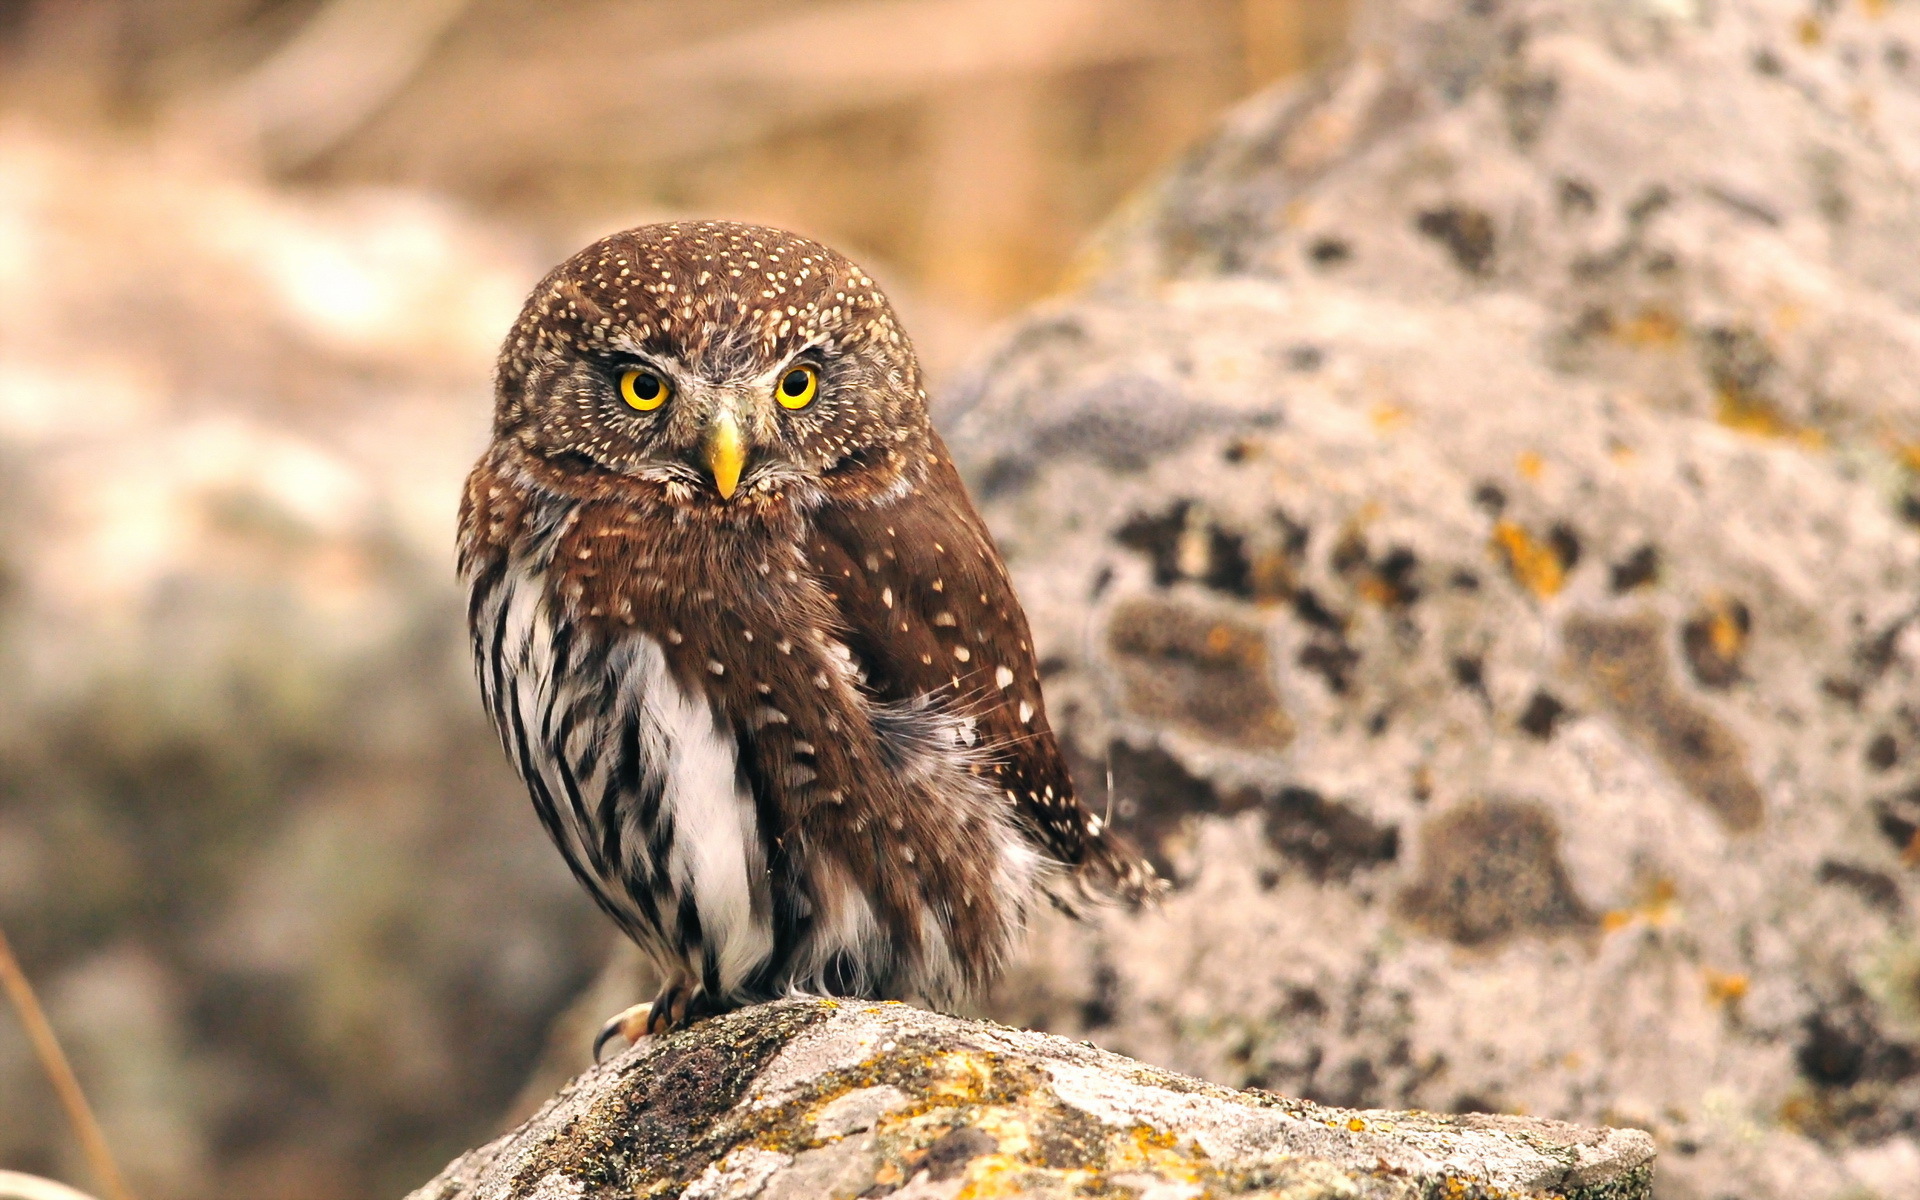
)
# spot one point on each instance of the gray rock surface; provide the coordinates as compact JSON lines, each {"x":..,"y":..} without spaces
{"x":819,"y":1099}
{"x":1469,"y":510}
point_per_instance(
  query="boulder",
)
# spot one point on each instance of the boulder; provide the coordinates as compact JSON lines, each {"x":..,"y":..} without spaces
{"x":1468,"y":513}
{"x":820,"y":1098}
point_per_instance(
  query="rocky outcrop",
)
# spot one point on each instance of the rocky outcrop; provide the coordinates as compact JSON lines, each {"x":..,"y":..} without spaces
{"x":1469,"y":514}
{"x":824,"y":1099}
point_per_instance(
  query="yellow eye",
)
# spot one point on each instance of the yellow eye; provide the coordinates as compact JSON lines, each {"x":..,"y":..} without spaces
{"x":798,"y":387}
{"x":643,"y":390}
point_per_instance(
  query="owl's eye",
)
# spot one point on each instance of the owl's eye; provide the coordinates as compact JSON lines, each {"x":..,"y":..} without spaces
{"x":798,"y":387}
{"x":643,"y":390}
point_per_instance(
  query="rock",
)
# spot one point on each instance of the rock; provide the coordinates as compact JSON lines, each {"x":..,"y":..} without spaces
{"x":819,"y":1098}
{"x":1469,"y":510}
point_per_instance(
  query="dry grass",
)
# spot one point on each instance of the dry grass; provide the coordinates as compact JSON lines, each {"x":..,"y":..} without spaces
{"x":66,"y":1086}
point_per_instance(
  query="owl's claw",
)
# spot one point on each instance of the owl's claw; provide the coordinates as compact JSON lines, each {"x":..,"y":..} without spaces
{"x":633,"y":1024}
{"x":674,"y":1008}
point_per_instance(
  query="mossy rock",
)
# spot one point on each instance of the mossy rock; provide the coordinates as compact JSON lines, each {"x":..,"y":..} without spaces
{"x":819,"y":1099}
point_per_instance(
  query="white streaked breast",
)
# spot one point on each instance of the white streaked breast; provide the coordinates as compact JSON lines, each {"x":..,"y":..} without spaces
{"x":717,"y":855}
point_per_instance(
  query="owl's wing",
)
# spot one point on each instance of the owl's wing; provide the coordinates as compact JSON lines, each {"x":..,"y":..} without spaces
{"x":929,"y":613}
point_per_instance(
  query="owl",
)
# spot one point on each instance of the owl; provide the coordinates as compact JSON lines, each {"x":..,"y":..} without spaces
{"x":747,"y":641}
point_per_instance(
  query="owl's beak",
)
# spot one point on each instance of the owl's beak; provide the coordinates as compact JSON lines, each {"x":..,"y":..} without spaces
{"x":726,"y":453}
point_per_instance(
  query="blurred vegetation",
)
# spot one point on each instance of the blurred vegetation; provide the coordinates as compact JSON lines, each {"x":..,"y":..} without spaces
{"x":965,"y":145}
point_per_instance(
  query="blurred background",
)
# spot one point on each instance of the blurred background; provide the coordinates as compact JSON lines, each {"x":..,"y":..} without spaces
{"x":290,"y":912}
{"x":966,"y":146}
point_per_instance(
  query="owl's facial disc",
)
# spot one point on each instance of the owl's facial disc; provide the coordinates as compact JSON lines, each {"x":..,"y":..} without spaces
{"x":743,"y":431}
{"x":718,"y":366}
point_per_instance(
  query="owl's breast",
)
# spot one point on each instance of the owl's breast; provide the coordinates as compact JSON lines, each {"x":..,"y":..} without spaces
{"x":633,"y":772}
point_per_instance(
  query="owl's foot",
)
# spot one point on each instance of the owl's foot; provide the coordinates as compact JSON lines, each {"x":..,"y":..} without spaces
{"x":630,"y":1025}
{"x":677,"y":1006}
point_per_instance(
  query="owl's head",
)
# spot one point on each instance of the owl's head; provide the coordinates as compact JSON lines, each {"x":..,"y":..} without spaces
{"x":727,"y":364}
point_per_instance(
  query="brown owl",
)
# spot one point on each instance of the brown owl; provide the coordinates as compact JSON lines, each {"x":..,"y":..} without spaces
{"x":747,"y":641}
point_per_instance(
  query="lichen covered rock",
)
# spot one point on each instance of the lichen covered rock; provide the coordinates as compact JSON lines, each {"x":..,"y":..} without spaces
{"x":821,"y":1099}
{"x":1469,"y":516}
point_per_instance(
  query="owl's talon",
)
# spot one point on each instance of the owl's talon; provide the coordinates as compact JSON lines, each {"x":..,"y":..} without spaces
{"x":669,"y":1008}
{"x":633,"y":1024}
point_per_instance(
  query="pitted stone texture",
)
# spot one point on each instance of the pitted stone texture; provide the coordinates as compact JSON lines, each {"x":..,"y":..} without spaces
{"x":1520,"y":421}
{"x":834,"y":1100}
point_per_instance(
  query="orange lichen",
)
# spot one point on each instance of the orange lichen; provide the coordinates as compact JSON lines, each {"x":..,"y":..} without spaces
{"x":1003,"y":1177}
{"x":1530,"y":465}
{"x":1533,"y":563}
{"x":1010,"y":1127}
{"x":1750,"y":414}
{"x":1655,"y":907}
{"x":1163,"y":1153}
{"x":1387,"y":417}
{"x":1724,"y":987}
{"x":958,"y":1076}
{"x":1726,"y":623}
{"x":1651,"y":327}
{"x":1455,"y":1188}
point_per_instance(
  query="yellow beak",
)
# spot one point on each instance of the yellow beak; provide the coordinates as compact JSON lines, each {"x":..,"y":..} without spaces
{"x":726,"y":454}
